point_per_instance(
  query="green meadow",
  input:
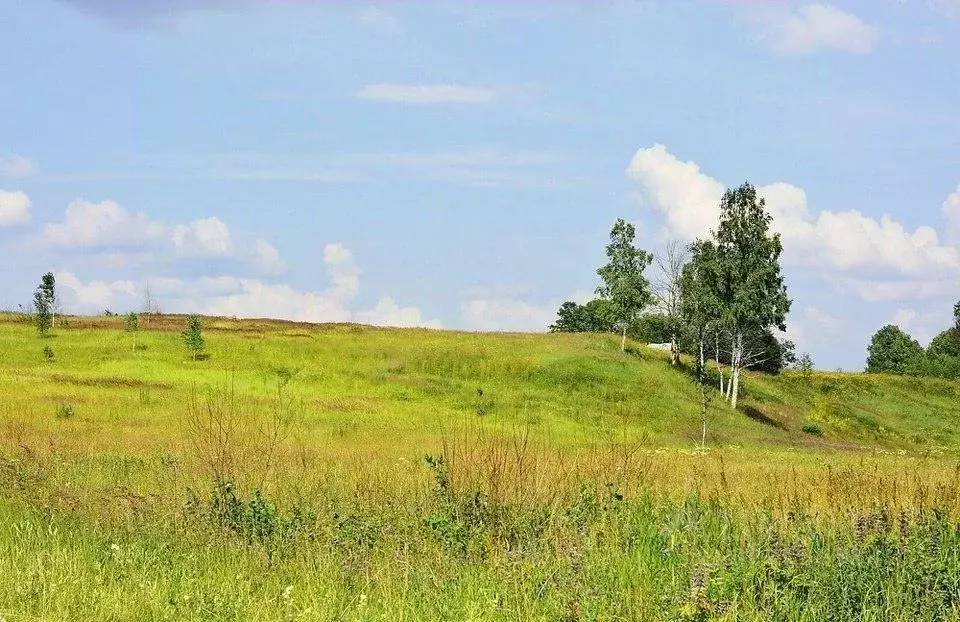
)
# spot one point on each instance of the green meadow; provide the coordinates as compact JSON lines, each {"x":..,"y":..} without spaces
{"x":345,"y":472}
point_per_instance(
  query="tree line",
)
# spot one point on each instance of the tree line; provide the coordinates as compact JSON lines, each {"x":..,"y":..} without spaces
{"x":894,"y":351}
{"x":720,"y":297}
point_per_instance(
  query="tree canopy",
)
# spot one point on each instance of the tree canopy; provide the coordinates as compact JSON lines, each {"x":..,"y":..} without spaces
{"x":892,"y":351}
{"x":624,"y":285}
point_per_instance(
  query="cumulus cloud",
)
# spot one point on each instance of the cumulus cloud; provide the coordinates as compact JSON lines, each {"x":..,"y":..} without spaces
{"x":254,"y":298}
{"x":250,"y":297}
{"x":501,"y":314}
{"x":108,"y":227}
{"x":266,"y":257}
{"x":814,"y":28}
{"x":208,"y":237}
{"x":105,"y":224}
{"x":879,"y":258}
{"x":17,"y":166}
{"x":428,"y":94}
{"x":951,"y":211}
{"x":94,"y":296}
{"x":388,"y":313}
{"x":14,"y":208}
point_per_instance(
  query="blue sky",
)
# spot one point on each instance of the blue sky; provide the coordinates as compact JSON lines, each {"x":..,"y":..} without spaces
{"x":459,"y":164}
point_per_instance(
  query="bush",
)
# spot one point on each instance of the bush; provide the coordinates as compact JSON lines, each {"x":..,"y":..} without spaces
{"x":65,"y":411}
{"x":812,"y":428}
{"x":48,"y":354}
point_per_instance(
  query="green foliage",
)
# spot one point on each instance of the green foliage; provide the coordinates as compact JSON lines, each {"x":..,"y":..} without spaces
{"x":651,"y":328}
{"x":947,"y":343}
{"x":813,"y":429}
{"x":65,"y":411}
{"x":193,"y":336}
{"x":43,"y":304}
{"x":596,"y":316}
{"x":749,"y":283}
{"x":48,"y":354}
{"x":892,"y":351}
{"x":624,"y":284}
{"x":805,"y":365}
{"x":132,"y":322}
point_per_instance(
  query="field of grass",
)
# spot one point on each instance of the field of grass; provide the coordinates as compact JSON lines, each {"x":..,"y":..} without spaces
{"x":342,"y":472}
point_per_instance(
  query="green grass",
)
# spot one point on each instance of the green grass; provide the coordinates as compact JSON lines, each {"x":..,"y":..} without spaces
{"x":567,"y":481}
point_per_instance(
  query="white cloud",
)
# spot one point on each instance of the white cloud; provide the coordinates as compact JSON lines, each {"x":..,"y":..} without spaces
{"x":951,"y":211}
{"x":14,"y":208}
{"x":266,"y":257}
{"x":506,"y":314}
{"x":922,"y":325}
{"x":89,"y":225}
{"x":815,"y":27}
{"x":17,"y":166}
{"x":389,"y":313}
{"x":812,"y":327}
{"x":687,"y":197}
{"x":112,"y":230}
{"x":343,"y":272}
{"x":243,"y":297}
{"x":208,"y":237}
{"x":877,"y":258}
{"x":428,"y":94}
{"x":94,"y":296}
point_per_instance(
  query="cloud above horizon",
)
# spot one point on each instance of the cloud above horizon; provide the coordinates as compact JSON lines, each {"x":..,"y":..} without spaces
{"x":812,"y":28}
{"x":249,"y":297}
{"x":877,"y":258}
{"x":14,"y":208}
{"x":17,"y":166}
{"x":107,"y":227}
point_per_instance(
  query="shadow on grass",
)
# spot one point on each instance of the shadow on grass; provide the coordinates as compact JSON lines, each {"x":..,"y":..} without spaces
{"x":760,"y":417}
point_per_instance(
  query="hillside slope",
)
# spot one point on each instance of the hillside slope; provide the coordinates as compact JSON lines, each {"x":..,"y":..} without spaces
{"x":394,"y":390}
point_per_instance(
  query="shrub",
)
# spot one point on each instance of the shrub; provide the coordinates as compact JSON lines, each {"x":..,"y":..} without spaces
{"x":813,"y":429}
{"x":48,"y":354}
{"x":65,"y":411}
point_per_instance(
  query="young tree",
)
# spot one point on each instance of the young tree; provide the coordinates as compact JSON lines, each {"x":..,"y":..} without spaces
{"x":133,"y":326}
{"x":892,"y":351}
{"x":668,"y":292}
{"x":193,"y":335}
{"x":43,"y":304}
{"x":700,"y":307}
{"x":750,"y":287}
{"x":49,"y":286}
{"x":624,"y":285}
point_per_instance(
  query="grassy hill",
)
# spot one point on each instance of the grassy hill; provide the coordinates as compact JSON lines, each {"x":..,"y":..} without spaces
{"x":397,"y":388}
{"x":284,"y":477}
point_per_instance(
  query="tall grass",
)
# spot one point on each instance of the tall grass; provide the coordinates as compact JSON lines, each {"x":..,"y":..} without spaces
{"x":340,"y":473}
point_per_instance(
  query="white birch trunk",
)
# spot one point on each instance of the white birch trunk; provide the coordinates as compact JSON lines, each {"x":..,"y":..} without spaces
{"x":719,"y":367}
{"x":738,"y":360}
{"x":623,"y":340}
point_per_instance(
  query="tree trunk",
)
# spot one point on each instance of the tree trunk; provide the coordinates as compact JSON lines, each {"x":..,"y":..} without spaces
{"x":674,"y":349}
{"x":737,"y":358}
{"x":623,"y":340}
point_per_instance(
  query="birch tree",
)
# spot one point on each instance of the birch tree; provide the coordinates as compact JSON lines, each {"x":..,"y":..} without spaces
{"x":668,"y":292}
{"x":750,"y":286}
{"x":699,"y":305}
{"x":624,"y":285}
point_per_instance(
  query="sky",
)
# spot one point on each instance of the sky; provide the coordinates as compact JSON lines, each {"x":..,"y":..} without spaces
{"x":460,"y":164}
